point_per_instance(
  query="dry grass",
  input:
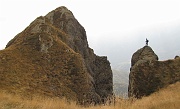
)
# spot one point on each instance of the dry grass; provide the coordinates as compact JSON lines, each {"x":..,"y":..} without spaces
{"x":168,"y":98}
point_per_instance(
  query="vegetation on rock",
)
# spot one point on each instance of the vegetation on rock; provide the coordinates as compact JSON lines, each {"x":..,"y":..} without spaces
{"x":51,"y":57}
{"x":148,"y":74}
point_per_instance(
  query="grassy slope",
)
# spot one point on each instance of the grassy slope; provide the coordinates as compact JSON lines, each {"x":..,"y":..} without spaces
{"x":17,"y":64}
{"x":25,"y":70}
{"x":167,"y":98}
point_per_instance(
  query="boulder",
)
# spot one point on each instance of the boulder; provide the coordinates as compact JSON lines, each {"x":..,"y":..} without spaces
{"x":148,"y":75}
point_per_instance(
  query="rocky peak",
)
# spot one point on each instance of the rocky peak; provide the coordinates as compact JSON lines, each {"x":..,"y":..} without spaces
{"x":148,"y":75}
{"x":63,"y":19}
{"x":61,"y":13}
{"x":55,"y":49}
{"x":144,"y":54}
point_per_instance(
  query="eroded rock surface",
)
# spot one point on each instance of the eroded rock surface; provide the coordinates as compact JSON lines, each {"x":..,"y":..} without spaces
{"x":52,"y":57}
{"x":148,"y":75}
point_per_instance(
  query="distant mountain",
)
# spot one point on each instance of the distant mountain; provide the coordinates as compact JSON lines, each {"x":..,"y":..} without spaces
{"x":120,"y":83}
{"x":52,"y":57}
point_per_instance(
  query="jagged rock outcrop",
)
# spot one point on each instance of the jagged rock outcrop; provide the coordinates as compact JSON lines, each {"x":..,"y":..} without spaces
{"x":144,"y":54}
{"x":52,"y":57}
{"x":148,"y":75}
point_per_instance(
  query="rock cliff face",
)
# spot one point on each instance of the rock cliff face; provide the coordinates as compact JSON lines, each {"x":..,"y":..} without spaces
{"x":147,"y":74}
{"x":52,"y":57}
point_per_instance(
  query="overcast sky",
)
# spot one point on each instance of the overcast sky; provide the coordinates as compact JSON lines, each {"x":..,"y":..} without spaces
{"x":111,"y":20}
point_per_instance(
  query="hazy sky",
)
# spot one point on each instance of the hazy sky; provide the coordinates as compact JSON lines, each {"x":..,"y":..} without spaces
{"x":111,"y":20}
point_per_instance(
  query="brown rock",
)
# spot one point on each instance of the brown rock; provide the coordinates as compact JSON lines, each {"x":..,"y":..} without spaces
{"x":52,"y":57}
{"x":144,"y":54}
{"x":149,"y":75}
